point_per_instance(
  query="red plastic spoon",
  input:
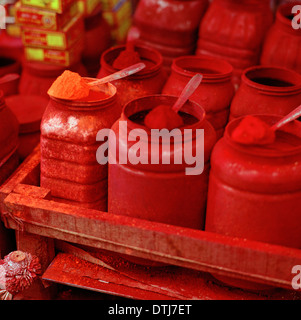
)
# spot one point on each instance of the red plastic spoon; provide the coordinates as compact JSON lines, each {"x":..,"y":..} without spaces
{"x":167,"y":117}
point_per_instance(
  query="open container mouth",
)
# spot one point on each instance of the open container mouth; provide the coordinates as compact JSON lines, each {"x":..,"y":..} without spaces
{"x":214,"y":69}
{"x":150,"y":57}
{"x":6,"y":62}
{"x":274,"y":80}
{"x":105,"y":92}
{"x":287,"y":141}
{"x":194,"y":112}
{"x":285,"y":15}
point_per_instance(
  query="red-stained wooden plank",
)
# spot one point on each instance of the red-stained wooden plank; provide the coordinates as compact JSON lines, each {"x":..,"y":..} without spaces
{"x":151,"y":283}
{"x":184,"y":247}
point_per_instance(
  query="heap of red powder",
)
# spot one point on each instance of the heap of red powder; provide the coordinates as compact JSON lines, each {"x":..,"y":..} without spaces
{"x":253,"y":131}
{"x":127,"y":57}
{"x":163,"y":117}
{"x":69,"y":86}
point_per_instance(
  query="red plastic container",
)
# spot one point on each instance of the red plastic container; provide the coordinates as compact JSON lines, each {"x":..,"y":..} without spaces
{"x":29,"y":110}
{"x":11,"y":46}
{"x":37,"y":78}
{"x":255,"y":191}
{"x":9,"y":84}
{"x":214,"y":93}
{"x":235,"y":30}
{"x":97,"y":31}
{"x":169,"y":26}
{"x":9,"y":161}
{"x":9,"y":130}
{"x":159,"y":192}
{"x":148,"y":81}
{"x":9,"y":65}
{"x":68,"y":148}
{"x":282,"y":46}
{"x":171,"y":23}
{"x":267,"y":90}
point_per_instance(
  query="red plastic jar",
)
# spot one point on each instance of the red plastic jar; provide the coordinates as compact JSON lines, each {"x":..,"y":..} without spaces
{"x":97,"y":31}
{"x":9,"y":84}
{"x":235,"y":30}
{"x":214,"y":93}
{"x":169,"y":26}
{"x":255,"y":191}
{"x":171,"y":23}
{"x":9,"y":130}
{"x":68,"y":148}
{"x":37,"y":78}
{"x":148,"y":81}
{"x":29,"y":110}
{"x":282,"y":46}
{"x":159,"y":192}
{"x":267,"y":90}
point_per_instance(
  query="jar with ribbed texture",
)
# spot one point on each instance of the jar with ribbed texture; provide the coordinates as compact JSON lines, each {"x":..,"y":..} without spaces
{"x":148,"y":81}
{"x":68,"y":148}
{"x":267,"y":90}
{"x":215,"y":92}
{"x":282,"y":46}
{"x":234,"y":30}
{"x":255,"y":191}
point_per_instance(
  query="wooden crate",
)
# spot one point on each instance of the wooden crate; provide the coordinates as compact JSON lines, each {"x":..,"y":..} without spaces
{"x":40,"y":221}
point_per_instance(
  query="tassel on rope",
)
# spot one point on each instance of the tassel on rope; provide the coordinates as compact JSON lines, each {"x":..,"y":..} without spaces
{"x":18,"y":270}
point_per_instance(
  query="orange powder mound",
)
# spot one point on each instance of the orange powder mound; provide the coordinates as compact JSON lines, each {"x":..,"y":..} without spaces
{"x":69,"y":86}
{"x":163,"y":117}
{"x":253,"y":131}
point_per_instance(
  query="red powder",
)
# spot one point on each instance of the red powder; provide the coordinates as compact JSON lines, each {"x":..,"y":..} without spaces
{"x":69,"y":86}
{"x":253,"y":131}
{"x":163,"y":117}
{"x":127,"y":57}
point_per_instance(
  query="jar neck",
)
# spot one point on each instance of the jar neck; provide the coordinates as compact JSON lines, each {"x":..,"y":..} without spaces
{"x":272,"y":80}
{"x":264,"y":151}
{"x":94,"y":105}
{"x":284,"y":18}
{"x":213,"y":70}
{"x":150,"y":102}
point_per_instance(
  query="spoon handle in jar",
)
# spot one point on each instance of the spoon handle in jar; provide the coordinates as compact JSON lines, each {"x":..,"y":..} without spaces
{"x":296,"y":113}
{"x":187,"y":92}
{"x":119,"y":74}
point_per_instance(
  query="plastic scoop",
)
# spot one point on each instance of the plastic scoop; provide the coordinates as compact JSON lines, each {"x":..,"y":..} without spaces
{"x":71,"y":86}
{"x":253,"y":131}
{"x":127,"y":57}
{"x":164,"y":116}
{"x":9,"y":77}
{"x":117,"y":75}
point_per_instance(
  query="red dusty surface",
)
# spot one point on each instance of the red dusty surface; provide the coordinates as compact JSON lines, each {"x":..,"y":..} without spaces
{"x":145,"y":283}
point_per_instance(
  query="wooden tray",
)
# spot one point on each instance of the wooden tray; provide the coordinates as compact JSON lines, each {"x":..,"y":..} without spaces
{"x":28,"y":208}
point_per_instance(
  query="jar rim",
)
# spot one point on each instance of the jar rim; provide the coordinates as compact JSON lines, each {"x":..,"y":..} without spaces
{"x":136,"y":105}
{"x":109,"y":89}
{"x":208,"y":63}
{"x":285,"y":10}
{"x":109,"y":55}
{"x":259,"y":151}
{"x":291,"y":79}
